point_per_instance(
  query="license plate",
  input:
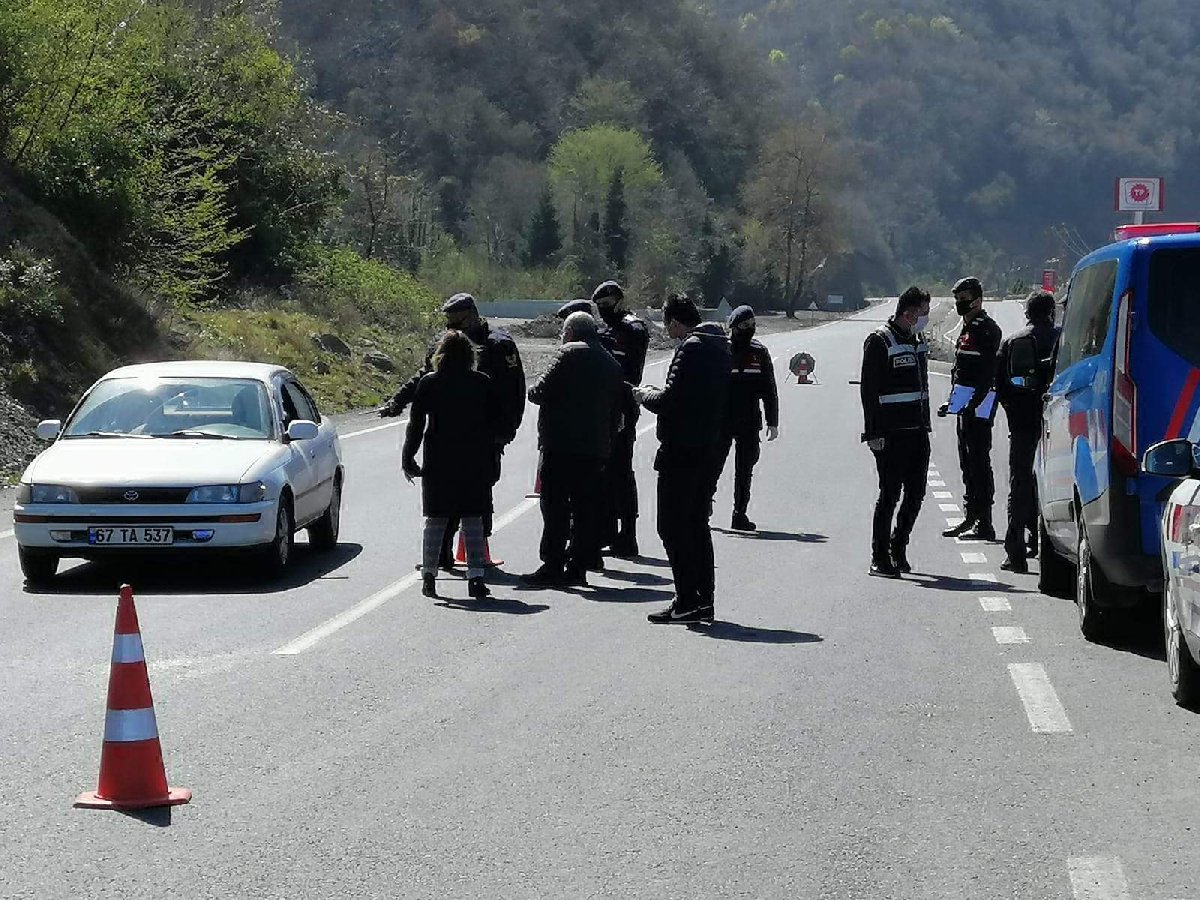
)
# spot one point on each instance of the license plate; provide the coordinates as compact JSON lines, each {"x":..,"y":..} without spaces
{"x":131,"y":536}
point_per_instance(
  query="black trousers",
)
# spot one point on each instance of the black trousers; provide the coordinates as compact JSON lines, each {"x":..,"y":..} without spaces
{"x":1022,"y":490}
{"x":452,"y":524}
{"x":684,"y":498}
{"x":747,"y":448}
{"x":975,"y":461}
{"x":620,"y":501}
{"x":571,"y":502}
{"x":903,"y":467}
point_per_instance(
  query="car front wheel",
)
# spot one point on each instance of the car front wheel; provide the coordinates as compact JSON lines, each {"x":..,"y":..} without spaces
{"x":278,"y":553}
{"x":1182,"y":669}
{"x":38,"y":566}
{"x":323,"y":533}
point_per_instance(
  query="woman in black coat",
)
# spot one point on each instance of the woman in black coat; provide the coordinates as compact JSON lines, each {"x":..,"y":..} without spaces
{"x":454,"y":415}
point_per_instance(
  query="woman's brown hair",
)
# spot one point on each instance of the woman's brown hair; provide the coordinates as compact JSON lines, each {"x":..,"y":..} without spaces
{"x":455,"y":353}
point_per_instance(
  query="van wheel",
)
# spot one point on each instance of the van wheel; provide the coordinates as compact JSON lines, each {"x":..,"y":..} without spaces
{"x":38,"y":566}
{"x":323,"y":533}
{"x":1056,"y":576}
{"x":1182,"y":669}
{"x":1093,"y":620}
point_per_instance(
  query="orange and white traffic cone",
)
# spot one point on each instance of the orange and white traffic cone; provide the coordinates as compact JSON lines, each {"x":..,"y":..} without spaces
{"x":132,"y":775}
{"x":537,"y":481}
{"x":460,"y":553}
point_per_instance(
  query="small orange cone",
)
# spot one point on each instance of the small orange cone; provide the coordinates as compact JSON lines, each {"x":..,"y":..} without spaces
{"x":460,"y":553}
{"x":537,"y":481}
{"x":132,"y":775}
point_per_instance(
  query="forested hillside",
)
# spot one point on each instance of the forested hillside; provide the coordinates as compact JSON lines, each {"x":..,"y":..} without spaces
{"x":990,"y":133}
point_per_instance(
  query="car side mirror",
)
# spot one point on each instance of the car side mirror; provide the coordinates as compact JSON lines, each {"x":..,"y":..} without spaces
{"x":1173,"y":459}
{"x":302,"y":430}
{"x":48,"y":429}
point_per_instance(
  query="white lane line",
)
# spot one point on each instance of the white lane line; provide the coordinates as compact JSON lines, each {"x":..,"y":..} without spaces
{"x":1042,"y":707}
{"x":995,"y":604}
{"x":1097,"y":878}
{"x":310,"y":639}
{"x":954,"y":523}
{"x":1010,"y":634}
{"x":354,"y":434}
{"x":973,"y":559}
{"x":949,"y":507}
{"x":983,"y":577}
{"x":942,"y":495}
{"x":936,"y":482}
{"x":5,"y":535}
{"x":939,"y":374}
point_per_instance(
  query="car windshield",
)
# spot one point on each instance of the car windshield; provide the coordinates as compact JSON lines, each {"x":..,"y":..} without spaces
{"x":174,"y":407}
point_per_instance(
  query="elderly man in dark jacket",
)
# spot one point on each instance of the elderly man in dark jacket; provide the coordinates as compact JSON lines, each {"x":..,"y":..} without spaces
{"x":691,"y":412}
{"x":581,"y":397}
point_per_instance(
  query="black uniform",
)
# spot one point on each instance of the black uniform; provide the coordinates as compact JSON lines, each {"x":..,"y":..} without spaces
{"x":895,"y":401}
{"x":628,"y":338}
{"x":975,"y":367}
{"x":691,"y":417}
{"x":1025,"y":369}
{"x":752,"y":391}
{"x":582,"y":397}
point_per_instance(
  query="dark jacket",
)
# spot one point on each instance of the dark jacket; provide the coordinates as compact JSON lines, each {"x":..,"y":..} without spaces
{"x":630,"y":339}
{"x":1024,"y":370}
{"x":499,"y":360}
{"x":581,"y":397}
{"x":752,"y":388}
{"x":454,"y":417}
{"x":895,"y":382}
{"x":975,"y":358}
{"x":691,"y":407}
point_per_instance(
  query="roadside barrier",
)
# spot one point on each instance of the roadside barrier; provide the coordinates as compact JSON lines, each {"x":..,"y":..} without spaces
{"x":132,"y":775}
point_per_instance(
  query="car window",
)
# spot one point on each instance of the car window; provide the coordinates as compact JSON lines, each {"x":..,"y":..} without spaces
{"x":1175,"y":300}
{"x":296,"y":404}
{"x":312,"y":404}
{"x":233,"y":408}
{"x":1089,"y":307}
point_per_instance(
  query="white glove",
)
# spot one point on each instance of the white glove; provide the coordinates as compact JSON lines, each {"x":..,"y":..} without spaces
{"x":876,"y":445}
{"x":772,"y":432}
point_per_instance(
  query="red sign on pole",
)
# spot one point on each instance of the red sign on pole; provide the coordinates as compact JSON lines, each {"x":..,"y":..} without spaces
{"x":1049,"y":280}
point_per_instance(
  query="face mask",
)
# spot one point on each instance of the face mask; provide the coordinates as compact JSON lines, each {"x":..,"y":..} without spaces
{"x":962,"y":307}
{"x":922,"y":323}
{"x":744,"y":335}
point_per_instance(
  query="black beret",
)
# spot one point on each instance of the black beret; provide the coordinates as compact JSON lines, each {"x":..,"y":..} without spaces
{"x":608,"y":289}
{"x":740,"y":315}
{"x":970,"y":286}
{"x":459,"y":303}
{"x":573,"y":307}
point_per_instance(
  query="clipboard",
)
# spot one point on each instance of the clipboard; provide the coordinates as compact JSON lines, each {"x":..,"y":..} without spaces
{"x":960,"y":396}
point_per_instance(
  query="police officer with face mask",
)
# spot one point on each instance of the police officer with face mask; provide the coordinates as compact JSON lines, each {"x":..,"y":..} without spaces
{"x":1024,"y":372}
{"x":628,"y":337}
{"x":975,"y":369}
{"x":895,"y":402}
{"x":752,"y":392}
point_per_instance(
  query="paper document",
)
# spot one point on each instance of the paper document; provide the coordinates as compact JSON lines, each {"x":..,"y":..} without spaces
{"x":961,"y":395}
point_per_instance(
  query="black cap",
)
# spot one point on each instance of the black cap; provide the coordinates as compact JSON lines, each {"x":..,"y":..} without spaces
{"x":740,"y":316}
{"x":460,"y":303}
{"x":971,"y":285}
{"x":608,"y":289}
{"x":574,"y":306}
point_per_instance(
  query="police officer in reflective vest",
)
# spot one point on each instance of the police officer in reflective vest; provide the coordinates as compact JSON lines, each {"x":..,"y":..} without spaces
{"x":975,"y":368}
{"x":752,"y":392}
{"x":628,"y":338}
{"x":896,"y":426}
{"x":1025,"y":369}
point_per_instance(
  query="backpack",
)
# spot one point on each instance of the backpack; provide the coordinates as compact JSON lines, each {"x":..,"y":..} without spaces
{"x":1026,"y":370}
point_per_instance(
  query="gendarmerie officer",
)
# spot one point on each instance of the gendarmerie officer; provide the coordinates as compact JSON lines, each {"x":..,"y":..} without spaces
{"x":499,"y":359}
{"x":691,"y":416}
{"x":629,"y":339}
{"x":752,"y":392}
{"x":975,"y":368}
{"x":896,"y":426}
{"x":1024,"y":371}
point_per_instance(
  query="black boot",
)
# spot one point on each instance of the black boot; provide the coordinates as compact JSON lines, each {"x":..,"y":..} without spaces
{"x":429,"y":586}
{"x":961,"y":528}
{"x":625,"y":544}
{"x":477,"y":589}
{"x":546,"y":576}
{"x":980,"y":531}
{"x":900,"y":558}
{"x":884,"y":568}
{"x":741,"y":522}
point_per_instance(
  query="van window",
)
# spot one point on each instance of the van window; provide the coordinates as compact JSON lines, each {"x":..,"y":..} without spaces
{"x":1175,"y":300}
{"x":1089,"y":306}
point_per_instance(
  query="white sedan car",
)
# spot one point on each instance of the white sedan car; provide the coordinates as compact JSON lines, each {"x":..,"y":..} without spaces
{"x":182,"y":457}
{"x":1181,"y":565}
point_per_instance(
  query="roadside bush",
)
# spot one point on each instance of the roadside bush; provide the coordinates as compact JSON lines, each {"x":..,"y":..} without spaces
{"x":339,"y":284}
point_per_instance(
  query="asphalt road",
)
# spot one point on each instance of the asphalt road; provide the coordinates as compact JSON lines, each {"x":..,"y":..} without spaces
{"x":831,"y":736}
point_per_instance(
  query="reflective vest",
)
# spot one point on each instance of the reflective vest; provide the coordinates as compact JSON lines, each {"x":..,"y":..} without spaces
{"x":904,"y":391}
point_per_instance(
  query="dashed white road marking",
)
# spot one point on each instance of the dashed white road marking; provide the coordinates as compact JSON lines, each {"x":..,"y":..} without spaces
{"x":949,"y":507}
{"x":5,"y":535}
{"x":995,"y":604}
{"x":1042,"y":707}
{"x":934,"y":482}
{"x":384,"y":427}
{"x":983,"y":577}
{"x":973,"y":558}
{"x":310,"y":639}
{"x":1097,"y":878}
{"x":1010,"y":634}
{"x":954,"y":523}
{"x":942,"y":495}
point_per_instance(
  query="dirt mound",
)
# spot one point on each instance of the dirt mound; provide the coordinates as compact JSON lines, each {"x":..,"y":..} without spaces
{"x":19,"y":442}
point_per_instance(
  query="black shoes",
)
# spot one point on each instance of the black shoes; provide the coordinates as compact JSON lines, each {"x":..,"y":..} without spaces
{"x":597,"y":564}
{"x":429,"y":586}
{"x":979,"y":532}
{"x":545,"y":577}
{"x":678,"y":615}
{"x":900,"y":559}
{"x":742,"y":523}
{"x":884,"y":568}
{"x":477,"y":589}
{"x":961,"y":528}
{"x":1017,"y":567}
{"x":573,"y":577}
{"x":624,"y":547}
{"x":1031,"y":548}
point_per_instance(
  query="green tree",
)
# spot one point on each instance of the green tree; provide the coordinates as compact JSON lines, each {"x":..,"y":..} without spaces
{"x":616,"y":232}
{"x":544,"y":239}
{"x":584,"y":162}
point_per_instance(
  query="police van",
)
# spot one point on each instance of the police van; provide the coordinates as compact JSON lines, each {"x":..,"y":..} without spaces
{"x":1126,"y":376}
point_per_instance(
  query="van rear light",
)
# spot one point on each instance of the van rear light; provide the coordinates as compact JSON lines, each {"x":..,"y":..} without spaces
{"x":1127,"y":232}
{"x":1124,"y":408}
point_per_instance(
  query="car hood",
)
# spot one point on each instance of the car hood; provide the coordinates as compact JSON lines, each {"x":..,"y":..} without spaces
{"x":153,"y":462}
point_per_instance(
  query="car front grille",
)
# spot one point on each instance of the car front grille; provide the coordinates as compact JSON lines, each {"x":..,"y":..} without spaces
{"x":125,"y":495}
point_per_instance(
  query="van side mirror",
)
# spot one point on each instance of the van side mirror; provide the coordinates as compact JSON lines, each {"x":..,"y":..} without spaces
{"x":1173,"y":459}
{"x":48,"y":429}
{"x":302,"y":430}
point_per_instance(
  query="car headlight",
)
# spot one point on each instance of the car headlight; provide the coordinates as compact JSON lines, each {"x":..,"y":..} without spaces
{"x":45,"y":493}
{"x":229,"y":493}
